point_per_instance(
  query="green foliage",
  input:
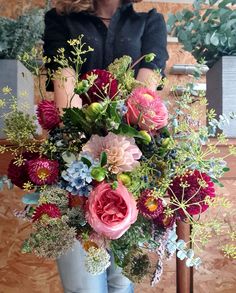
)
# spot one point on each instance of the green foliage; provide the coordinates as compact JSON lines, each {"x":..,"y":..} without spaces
{"x":207,"y":32}
{"x":20,"y":35}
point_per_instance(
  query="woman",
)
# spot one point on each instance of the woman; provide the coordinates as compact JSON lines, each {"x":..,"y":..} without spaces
{"x":113,"y":29}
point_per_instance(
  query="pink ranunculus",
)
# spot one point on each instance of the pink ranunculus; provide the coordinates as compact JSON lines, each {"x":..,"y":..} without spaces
{"x":110,"y":212}
{"x":146,"y":109}
{"x":48,"y":115}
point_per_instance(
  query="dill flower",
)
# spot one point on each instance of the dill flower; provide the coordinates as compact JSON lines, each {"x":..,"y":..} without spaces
{"x":136,"y":265}
{"x":51,"y":241}
{"x":97,"y":260}
{"x":54,"y":195}
{"x":188,"y":193}
{"x":149,"y":206}
{"x":43,"y":171}
{"x":49,"y":209}
{"x":48,"y":114}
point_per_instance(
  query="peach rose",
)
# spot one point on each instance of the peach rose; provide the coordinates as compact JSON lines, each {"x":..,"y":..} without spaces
{"x":110,"y":212}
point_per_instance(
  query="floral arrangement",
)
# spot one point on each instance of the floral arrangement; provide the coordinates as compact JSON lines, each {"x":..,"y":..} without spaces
{"x":118,"y":173}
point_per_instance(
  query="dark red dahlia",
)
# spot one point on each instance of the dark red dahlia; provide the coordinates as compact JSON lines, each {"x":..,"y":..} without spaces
{"x":149,"y":206}
{"x":76,"y":200}
{"x":43,"y":171}
{"x":191,"y":190}
{"x":49,"y":209}
{"x":165,"y":221}
{"x":104,"y":86}
{"x":19,"y":174}
{"x":48,"y":114}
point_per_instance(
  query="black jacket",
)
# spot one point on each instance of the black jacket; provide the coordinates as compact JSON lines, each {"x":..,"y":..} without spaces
{"x":129,"y":33}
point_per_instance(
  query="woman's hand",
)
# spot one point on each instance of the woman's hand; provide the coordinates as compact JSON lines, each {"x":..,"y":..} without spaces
{"x":64,"y":90}
{"x":149,"y":77}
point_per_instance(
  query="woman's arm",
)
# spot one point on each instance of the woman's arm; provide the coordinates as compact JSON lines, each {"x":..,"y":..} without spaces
{"x":64,"y":90}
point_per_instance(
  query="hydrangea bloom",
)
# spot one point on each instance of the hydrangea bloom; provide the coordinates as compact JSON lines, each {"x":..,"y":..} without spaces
{"x":78,"y":177}
{"x":122,"y":152}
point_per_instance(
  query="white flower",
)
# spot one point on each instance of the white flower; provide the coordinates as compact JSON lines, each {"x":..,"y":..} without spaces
{"x":97,"y":260}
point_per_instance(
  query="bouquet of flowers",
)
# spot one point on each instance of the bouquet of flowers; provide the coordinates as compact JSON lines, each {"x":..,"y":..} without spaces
{"x":115,"y":174}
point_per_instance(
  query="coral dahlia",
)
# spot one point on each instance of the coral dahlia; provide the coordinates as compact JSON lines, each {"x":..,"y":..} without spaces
{"x":48,"y":115}
{"x":190,"y":190}
{"x":122,"y":152}
{"x":49,"y":209}
{"x":149,"y":206}
{"x":43,"y":171}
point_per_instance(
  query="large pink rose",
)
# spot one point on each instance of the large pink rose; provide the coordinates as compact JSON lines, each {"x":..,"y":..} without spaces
{"x":110,"y":212}
{"x":146,"y":109}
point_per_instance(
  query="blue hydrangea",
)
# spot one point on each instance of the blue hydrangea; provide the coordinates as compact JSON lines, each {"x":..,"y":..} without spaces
{"x":121,"y":107}
{"x":78,"y":176}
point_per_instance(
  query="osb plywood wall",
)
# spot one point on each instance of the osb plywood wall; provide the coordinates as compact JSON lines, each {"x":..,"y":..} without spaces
{"x":27,"y":274}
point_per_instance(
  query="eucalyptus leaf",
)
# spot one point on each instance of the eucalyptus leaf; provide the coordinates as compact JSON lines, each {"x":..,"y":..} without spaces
{"x":31,"y":198}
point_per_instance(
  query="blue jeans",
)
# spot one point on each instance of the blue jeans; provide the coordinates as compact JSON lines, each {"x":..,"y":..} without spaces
{"x":75,"y":278}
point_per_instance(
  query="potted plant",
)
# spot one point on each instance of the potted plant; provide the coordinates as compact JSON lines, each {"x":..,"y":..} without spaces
{"x":208,"y":32}
{"x":18,"y":36}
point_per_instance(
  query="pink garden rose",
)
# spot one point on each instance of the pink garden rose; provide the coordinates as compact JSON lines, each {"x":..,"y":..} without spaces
{"x":110,"y":212}
{"x":146,"y":109}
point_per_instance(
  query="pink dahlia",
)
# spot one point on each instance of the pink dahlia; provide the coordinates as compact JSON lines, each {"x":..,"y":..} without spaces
{"x":110,"y":212}
{"x":49,"y":209}
{"x":191,"y":190}
{"x":149,"y":206}
{"x":104,"y":86}
{"x":48,"y":115}
{"x":19,"y":174}
{"x":146,"y":110}
{"x":43,"y":171}
{"x":122,"y":152}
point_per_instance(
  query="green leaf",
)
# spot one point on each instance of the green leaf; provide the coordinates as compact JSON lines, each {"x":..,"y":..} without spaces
{"x":86,"y":161}
{"x":214,"y":39}
{"x":103,"y":159}
{"x":128,"y":130}
{"x":226,"y":169}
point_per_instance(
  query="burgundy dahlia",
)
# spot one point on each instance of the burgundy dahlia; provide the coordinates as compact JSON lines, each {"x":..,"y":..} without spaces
{"x":49,"y":209}
{"x":19,"y":174}
{"x":48,"y":115}
{"x":43,"y":171}
{"x":191,"y":190}
{"x":165,"y":221}
{"x":149,"y":206}
{"x":104,"y":86}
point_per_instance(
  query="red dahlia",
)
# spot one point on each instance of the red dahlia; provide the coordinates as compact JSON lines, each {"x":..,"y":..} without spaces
{"x":49,"y":209}
{"x":104,"y":86}
{"x":165,"y":221}
{"x":149,"y":206}
{"x":43,"y":171}
{"x":48,"y":115}
{"x":19,"y":174}
{"x":191,"y":190}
